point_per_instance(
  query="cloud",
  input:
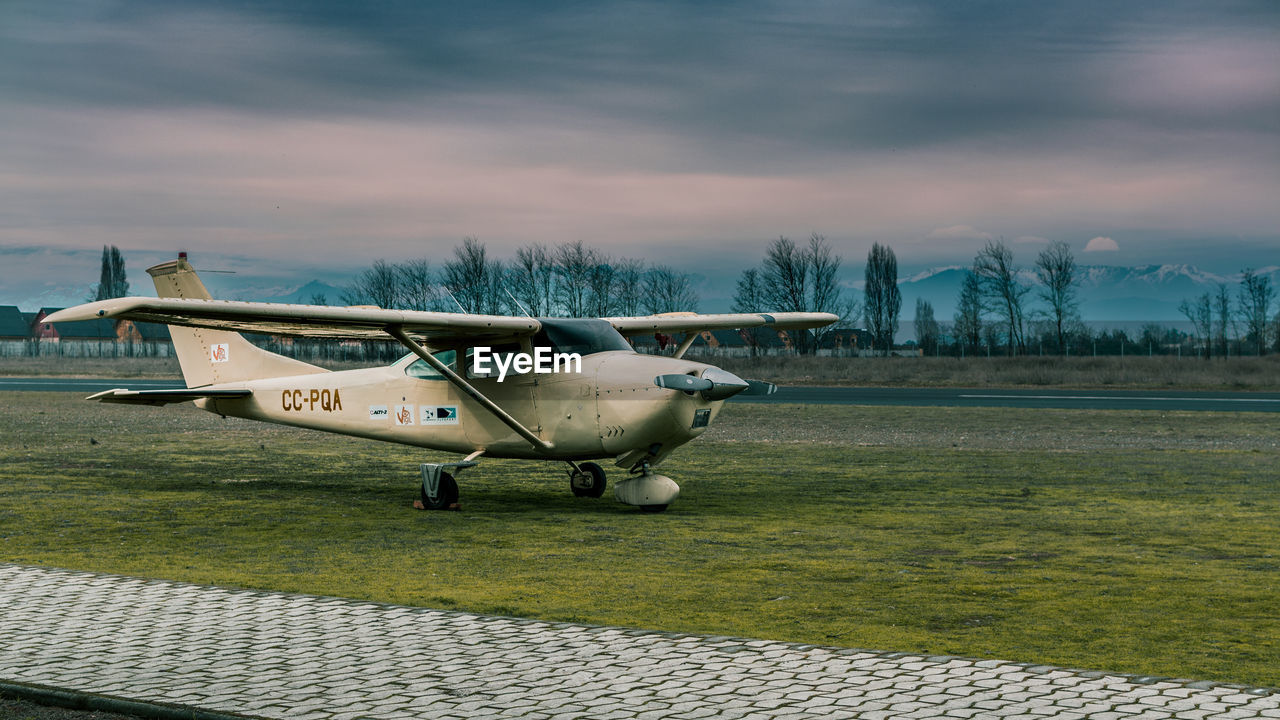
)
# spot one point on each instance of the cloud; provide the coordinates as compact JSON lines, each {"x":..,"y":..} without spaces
{"x":959,"y":232}
{"x":360,"y":131}
{"x":1101,"y":244}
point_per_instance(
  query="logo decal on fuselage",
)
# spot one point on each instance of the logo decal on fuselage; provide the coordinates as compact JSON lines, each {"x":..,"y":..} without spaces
{"x":404,"y":415}
{"x":220,"y":353}
{"x":378,"y":412}
{"x":312,"y":399}
{"x":440,"y":415}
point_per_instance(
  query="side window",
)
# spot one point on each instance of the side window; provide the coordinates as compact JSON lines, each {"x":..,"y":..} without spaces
{"x":420,"y":369}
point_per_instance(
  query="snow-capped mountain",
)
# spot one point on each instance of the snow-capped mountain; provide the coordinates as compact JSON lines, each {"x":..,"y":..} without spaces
{"x":1105,"y":292}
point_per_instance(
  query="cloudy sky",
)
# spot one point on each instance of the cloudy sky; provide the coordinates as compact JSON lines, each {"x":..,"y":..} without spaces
{"x":317,"y":136}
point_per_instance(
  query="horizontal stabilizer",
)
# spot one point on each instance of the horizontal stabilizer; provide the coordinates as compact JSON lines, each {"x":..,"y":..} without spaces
{"x":165,"y":397}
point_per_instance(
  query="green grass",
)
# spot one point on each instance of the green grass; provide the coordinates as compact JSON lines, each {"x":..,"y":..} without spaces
{"x":1157,"y":558}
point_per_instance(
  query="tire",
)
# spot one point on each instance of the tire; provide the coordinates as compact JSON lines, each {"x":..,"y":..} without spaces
{"x":598,"y":481}
{"x":447,"y":494}
{"x":652,"y":508}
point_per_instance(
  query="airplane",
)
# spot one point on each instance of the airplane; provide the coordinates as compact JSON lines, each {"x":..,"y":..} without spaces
{"x":477,"y":385}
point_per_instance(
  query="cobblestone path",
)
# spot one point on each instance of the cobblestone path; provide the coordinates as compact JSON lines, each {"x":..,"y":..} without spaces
{"x":302,"y":657}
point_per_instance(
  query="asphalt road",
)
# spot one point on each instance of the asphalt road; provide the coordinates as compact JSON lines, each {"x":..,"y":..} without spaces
{"x":1037,"y":398}
{"x":919,"y":397}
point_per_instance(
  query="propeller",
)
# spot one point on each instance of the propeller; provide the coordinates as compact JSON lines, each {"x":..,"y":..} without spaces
{"x":687,"y":383}
{"x":715,"y":384}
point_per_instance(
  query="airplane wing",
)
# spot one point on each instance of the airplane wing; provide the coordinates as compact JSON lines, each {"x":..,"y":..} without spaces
{"x":691,"y":322}
{"x":165,"y":397}
{"x":303,"y":320}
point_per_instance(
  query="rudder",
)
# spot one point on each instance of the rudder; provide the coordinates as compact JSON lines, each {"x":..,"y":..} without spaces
{"x":215,"y":356}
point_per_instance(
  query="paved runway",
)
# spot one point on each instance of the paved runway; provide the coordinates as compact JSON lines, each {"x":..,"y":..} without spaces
{"x":274,"y":655}
{"x":1037,"y":398}
{"x":926,"y":397}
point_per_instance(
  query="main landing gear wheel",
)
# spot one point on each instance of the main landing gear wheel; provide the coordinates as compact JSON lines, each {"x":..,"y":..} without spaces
{"x":652,"y":508}
{"x":446,"y":494}
{"x":587,"y":480}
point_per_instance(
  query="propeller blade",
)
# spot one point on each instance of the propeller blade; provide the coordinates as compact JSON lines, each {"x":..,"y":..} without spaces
{"x":760,"y":387}
{"x":687,"y":383}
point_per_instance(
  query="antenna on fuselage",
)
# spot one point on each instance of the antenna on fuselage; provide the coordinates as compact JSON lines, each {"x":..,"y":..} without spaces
{"x":523,"y":309}
{"x":455,"y":301}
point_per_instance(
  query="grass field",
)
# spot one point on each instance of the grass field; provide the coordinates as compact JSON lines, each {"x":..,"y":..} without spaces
{"x":1140,"y":542}
{"x":1235,"y":373}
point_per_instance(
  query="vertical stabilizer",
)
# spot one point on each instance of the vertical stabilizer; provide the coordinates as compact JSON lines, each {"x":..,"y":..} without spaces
{"x":215,"y":356}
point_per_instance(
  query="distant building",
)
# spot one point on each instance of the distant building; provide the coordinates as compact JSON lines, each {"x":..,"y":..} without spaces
{"x":14,"y":326}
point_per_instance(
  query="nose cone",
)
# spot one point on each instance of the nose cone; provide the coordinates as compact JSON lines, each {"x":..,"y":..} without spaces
{"x":724,"y":384}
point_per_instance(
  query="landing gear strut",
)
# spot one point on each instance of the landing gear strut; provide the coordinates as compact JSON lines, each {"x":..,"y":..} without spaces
{"x":439,"y":489}
{"x":586,"y":480}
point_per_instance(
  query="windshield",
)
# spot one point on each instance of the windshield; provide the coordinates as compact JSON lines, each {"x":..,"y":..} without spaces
{"x":577,"y":335}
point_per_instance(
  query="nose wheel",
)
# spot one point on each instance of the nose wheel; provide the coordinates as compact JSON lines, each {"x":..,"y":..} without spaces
{"x":586,"y":480}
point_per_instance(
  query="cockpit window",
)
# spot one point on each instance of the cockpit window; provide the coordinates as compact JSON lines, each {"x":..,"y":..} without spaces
{"x":577,"y":335}
{"x":420,"y":369}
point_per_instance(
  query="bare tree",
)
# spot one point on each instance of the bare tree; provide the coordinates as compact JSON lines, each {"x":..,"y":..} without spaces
{"x":1056,"y":268}
{"x":573,"y":269}
{"x":318,"y":299}
{"x":1200,"y":313}
{"x":473,"y":279}
{"x":1224,"y":326}
{"x":533,"y":278}
{"x":1256,"y":295}
{"x":883,"y":299}
{"x":750,"y":298}
{"x":1001,"y":291}
{"x":628,"y":286}
{"x":378,"y":285}
{"x":667,"y":290}
{"x":111,"y":281}
{"x":968,"y":316}
{"x":601,"y":278}
{"x":418,"y":288}
{"x":786,"y":273}
{"x":825,"y":294}
{"x":927,"y":331}
{"x":792,"y":279}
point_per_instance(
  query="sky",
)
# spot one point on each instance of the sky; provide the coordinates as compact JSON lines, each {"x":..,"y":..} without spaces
{"x":301,"y":140}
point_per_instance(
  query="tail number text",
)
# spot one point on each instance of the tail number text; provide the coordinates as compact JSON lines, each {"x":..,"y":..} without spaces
{"x":313,"y":399}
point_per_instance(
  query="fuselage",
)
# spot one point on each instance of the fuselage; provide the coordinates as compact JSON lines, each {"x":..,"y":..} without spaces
{"x":610,"y":408}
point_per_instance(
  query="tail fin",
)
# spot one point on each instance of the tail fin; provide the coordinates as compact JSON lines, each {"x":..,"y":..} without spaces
{"x":215,"y":356}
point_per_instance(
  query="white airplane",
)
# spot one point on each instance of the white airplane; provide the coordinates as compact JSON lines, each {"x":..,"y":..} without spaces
{"x":572,"y":390}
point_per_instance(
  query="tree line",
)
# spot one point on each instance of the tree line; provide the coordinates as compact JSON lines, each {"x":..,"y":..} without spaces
{"x":1219,"y":319}
{"x":567,"y":280}
{"x":995,"y":310}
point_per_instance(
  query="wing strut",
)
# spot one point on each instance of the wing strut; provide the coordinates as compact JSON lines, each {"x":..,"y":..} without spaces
{"x":689,"y":337}
{"x":466,"y":387}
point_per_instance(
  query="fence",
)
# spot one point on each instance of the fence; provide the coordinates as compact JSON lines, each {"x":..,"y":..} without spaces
{"x":84,"y":348}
